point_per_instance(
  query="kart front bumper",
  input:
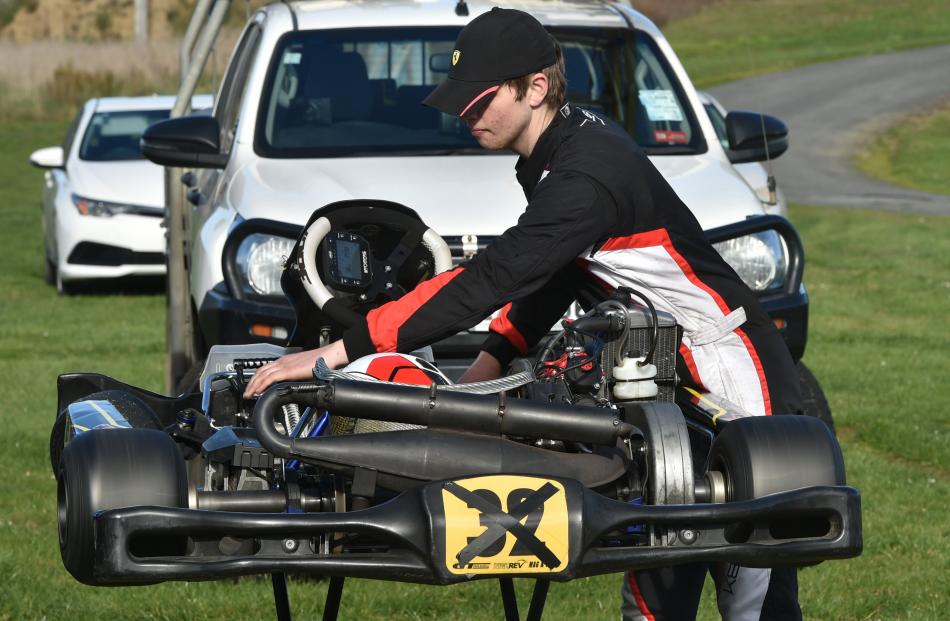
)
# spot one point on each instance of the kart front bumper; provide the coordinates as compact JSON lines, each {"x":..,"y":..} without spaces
{"x":447,"y":532}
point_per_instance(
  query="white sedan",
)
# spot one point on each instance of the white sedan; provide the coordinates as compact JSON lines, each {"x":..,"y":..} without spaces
{"x":103,"y":202}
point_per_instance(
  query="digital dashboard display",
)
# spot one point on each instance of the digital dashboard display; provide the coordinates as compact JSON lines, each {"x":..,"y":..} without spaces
{"x":346,"y":261}
{"x":349,"y":259}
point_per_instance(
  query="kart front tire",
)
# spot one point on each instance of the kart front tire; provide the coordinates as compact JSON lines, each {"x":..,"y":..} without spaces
{"x":764,"y":455}
{"x":108,"y":469}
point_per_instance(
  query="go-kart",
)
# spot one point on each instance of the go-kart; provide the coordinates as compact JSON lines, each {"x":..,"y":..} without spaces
{"x":584,"y":460}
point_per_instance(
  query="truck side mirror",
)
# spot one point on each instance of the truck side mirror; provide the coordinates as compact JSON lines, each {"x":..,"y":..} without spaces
{"x":754,"y":137}
{"x":186,"y":141}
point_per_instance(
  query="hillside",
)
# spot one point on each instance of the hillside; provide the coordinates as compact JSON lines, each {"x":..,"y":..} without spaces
{"x":22,"y":21}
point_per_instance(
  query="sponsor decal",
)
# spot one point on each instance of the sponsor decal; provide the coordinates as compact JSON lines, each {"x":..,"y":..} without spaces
{"x":505,"y":525}
{"x":455,"y":57}
{"x":94,"y":414}
{"x":731,"y":576}
{"x":670,"y":135}
{"x":590,"y":116}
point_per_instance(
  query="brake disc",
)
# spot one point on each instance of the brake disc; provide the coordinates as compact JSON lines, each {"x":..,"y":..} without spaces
{"x":668,"y":456}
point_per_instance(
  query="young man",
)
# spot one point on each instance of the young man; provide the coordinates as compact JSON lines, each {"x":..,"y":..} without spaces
{"x":598,"y":211}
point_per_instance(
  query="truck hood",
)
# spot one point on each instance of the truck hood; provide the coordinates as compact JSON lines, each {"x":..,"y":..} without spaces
{"x":457,"y":195}
{"x":138,"y":182}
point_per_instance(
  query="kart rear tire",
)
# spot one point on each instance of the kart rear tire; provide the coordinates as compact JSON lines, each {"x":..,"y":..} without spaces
{"x":135,"y":411}
{"x":765,"y":455}
{"x":813,"y":397}
{"x":108,"y":469}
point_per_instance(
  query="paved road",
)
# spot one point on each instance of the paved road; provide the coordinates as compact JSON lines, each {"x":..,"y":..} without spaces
{"x":832,"y":108}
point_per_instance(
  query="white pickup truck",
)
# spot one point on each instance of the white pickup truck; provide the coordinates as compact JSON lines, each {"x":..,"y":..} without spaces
{"x":321,"y":102}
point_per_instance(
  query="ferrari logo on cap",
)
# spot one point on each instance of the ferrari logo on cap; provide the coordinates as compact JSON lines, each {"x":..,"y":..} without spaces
{"x":455,"y":57}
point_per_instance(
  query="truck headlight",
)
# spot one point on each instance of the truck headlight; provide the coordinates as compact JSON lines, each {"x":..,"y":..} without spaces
{"x":260,"y":262}
{"x":760,"y":259}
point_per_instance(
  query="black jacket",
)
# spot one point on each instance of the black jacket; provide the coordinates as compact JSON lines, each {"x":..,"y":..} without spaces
{"x":586,"y":182}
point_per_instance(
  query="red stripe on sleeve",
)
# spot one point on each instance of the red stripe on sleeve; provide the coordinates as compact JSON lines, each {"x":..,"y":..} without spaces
{"x":503,"y":326}
{"x":384,"y":322}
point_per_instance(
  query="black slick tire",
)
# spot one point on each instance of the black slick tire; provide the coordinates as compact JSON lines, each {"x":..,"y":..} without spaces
{"x":108,"y":469}
{"x":764,"y":455}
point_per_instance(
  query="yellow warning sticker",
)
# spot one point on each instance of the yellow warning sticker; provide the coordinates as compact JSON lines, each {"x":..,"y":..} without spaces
{"x":505,"y":524}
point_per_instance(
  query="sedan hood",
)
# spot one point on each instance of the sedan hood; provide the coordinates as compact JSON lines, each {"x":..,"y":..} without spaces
{"x":456,"y":195}
{"x":138,"y":182}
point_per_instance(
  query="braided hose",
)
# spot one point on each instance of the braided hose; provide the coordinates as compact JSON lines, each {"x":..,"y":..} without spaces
{"x":502,"y":384}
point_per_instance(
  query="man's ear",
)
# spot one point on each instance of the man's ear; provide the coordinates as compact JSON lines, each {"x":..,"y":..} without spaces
{"x":538,"y":90}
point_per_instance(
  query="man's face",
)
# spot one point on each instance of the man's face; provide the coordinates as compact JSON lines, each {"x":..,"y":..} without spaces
{"x":502,"y":122}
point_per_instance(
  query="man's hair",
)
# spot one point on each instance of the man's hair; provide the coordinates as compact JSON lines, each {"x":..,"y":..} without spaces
{"x":557,"y":83}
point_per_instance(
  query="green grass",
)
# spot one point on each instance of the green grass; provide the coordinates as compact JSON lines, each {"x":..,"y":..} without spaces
{"x":733,"y":39}
{"x":913,"y":153}
{"x":879,"y":285}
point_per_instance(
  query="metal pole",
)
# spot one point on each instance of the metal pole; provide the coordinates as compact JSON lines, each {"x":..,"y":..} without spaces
{"x":179,"y":330}
{"x":191,"y":35}
{"x":331,"y":609}
{"x":140,"y":18}
{"x":201,"y":52}
{"x":281,"y":598}
{"x":508,"y":599}
{"x":538,"y":598}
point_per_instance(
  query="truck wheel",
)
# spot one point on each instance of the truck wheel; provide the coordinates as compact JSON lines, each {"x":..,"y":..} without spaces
{"x":108,"y":469}
{"x":139,"y":415}
{"x":764,"y":455}
{"x":813,"y":397}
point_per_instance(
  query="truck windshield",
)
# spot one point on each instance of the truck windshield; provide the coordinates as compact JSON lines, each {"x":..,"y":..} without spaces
{"x":359,"y":92}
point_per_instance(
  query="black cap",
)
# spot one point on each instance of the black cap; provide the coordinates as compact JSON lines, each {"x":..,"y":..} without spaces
{"x":495,"y":46}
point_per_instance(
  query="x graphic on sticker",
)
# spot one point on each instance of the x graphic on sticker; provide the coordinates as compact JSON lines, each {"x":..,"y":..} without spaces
{"x":501,"y":523}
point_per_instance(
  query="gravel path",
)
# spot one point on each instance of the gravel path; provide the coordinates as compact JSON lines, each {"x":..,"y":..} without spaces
{"x":832,"y":109}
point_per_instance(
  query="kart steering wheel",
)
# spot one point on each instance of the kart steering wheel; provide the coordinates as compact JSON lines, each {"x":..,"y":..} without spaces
{"x":392,"y":218}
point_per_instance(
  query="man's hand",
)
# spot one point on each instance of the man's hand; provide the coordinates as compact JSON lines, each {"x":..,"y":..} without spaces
{"x":297,"y":366}
{"x":485,"y":367}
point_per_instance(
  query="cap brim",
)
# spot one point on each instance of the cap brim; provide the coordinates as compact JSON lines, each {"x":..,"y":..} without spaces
{"x":458,"y":97}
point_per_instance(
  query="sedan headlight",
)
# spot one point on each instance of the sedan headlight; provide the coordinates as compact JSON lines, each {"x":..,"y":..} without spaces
{"x":760,"y":259}
{"x":260,"y":261}
{"x":105,"y":209}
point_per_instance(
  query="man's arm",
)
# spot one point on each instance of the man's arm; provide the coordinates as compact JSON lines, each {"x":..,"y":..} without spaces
{"x":295,"y":367}
{"x":524,"y":322}
{"x":567,"y":214}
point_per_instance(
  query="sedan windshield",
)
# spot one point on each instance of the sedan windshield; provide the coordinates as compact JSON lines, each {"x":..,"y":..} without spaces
{"x":358,"y":92}
{"x":114,"y":136}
